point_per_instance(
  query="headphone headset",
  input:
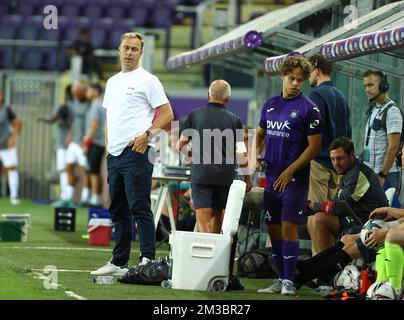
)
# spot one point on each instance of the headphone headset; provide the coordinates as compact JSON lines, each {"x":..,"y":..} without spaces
{"x":383,"y":85}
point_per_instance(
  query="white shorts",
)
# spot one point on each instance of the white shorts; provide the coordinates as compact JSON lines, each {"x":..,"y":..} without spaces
{"x":61,"y":159}
{"x":74,"y":154}
{"x":9,"y":157}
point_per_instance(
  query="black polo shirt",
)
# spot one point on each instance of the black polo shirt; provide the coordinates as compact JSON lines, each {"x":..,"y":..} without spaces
{"x":216,"y":131}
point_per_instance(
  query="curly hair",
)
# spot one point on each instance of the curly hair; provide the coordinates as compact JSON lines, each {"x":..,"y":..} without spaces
{"x":294,"y":62}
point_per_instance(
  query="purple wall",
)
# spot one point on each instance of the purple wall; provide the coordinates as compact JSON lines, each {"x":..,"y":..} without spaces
{"x":183,"y":106}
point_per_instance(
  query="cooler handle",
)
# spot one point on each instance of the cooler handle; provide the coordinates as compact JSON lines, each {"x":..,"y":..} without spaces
{"x":93,"y":228}
{"x":204,"y":247}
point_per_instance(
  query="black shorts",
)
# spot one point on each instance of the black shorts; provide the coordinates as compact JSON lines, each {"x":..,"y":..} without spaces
{"x":94,"y":157}
{"x":209,"y":196}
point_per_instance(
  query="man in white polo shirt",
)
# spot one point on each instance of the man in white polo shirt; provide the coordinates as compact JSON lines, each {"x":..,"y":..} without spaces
{"x":131,"y":98}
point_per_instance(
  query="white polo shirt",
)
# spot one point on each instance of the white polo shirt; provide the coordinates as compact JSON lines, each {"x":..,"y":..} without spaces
{"x":130,"y":99}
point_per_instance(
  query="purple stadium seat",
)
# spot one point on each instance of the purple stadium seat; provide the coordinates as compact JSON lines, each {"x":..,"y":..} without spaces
{"x":100,"y":3}
{"x":161,"y":17}
{"x":28,"y":33}
{"x":7,"y":32}
{"x":4,"y":10}
{"x":139,"y":15}
{"x":43,"y":3}
{"x":147,"y":3}
{"x":125,"y":24}
{"x":7,"y":58}
{"x":55,"y":59}
{"x":34,"y":21}
{"x":31,"y":59}
{"x":114,"y":37}
{"x":93,"y":12}
{"x":115,"y":13}
{"x":71,"y":34}
{"x":70,"y":11}
{"x":51,"y":35}
{"x":98,"y":37}
{"x":81,"y":22}
{"x":13,"y":20}
{"x":25,"y":9}
{"x":104,"y":23}
{"x":33,"y":2}
{"x":124,"y":4}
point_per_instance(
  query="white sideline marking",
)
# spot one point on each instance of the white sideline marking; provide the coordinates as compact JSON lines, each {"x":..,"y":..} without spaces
{"x":64,"y":248}
{"x":65,"y":270}
{"x":41,"y":276}
{"x":73,"y":295}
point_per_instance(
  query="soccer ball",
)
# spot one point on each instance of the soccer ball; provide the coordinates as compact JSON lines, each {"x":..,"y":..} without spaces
{"x":370,"y":225}
{"x":348,"y":278}
{"x":381,"y":290}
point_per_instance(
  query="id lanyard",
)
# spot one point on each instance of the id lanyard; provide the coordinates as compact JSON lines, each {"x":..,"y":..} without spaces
{"x":385,"y":104}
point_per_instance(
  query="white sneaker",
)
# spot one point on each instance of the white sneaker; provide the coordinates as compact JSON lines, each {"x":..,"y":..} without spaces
{"x":288,"y":288}
{"x":144,"y":261}
{"x":15,"y":201}
{"x":110,"y":270}
{"x":276,"y":287}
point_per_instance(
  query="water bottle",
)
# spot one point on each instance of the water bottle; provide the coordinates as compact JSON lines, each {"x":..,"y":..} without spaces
{"x":166,"y":284}
{"x":103,"y":280}
{"x":262,"y":180}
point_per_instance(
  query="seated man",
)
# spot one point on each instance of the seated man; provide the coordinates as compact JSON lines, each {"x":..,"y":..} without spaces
{"x":360,"y":190}
{"x":327,"y":263}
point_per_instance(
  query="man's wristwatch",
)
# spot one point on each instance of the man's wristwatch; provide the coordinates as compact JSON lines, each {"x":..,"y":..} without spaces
{"x":381,"y":174}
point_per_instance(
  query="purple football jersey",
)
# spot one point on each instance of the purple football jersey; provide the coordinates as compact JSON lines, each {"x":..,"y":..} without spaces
{"x":287,"y":123}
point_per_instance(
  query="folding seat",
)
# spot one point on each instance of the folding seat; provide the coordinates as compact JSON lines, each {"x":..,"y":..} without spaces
{"x":115,"y":37}
{"x":25,"y":9}
{"x":98,"y":37}
{"x":139,"y":15}
{"x":51,"y":35}
{"x":71,"y":35}
{"x":93,"y":12}
{"x":70,"y":11}
{"x":161,"y":17}
{"x":31,"y":59}
{"x":4,"y":10}
{"x":13,"y":20}
{"x":7,"y":32}
{"x":7,"y":57}
{"x":28,"y":33}
{"x":100,"y":3}
{"x":115,"y":13}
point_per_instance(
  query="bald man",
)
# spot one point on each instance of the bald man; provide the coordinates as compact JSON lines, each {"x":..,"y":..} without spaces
{"x":217,"y":145}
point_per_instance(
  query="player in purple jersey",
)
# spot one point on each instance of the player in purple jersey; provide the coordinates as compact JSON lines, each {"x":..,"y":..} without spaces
{"x":291,"y":126}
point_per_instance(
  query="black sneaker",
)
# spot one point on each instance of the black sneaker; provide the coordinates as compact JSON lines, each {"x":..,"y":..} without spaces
{"x":234,"y":283}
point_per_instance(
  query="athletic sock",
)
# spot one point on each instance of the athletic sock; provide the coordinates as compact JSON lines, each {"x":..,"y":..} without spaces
{"x":85,"y":194}
{"x":63,"y":181}
{"x":394,"y":263}
{"x":290,"y":251}
{"x":13,"y":183}
{"x":380,"y":265}
{"x":320,"y":256}
{"x":69,"y":192}
{"x":326,"y":267}
{"x":277,"y":255}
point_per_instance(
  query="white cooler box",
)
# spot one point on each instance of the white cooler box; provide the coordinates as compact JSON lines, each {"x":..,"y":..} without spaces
{"x":200,"y":261}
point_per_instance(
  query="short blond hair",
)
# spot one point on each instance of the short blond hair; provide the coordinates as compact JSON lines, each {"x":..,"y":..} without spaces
{"x":132,"y":35}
